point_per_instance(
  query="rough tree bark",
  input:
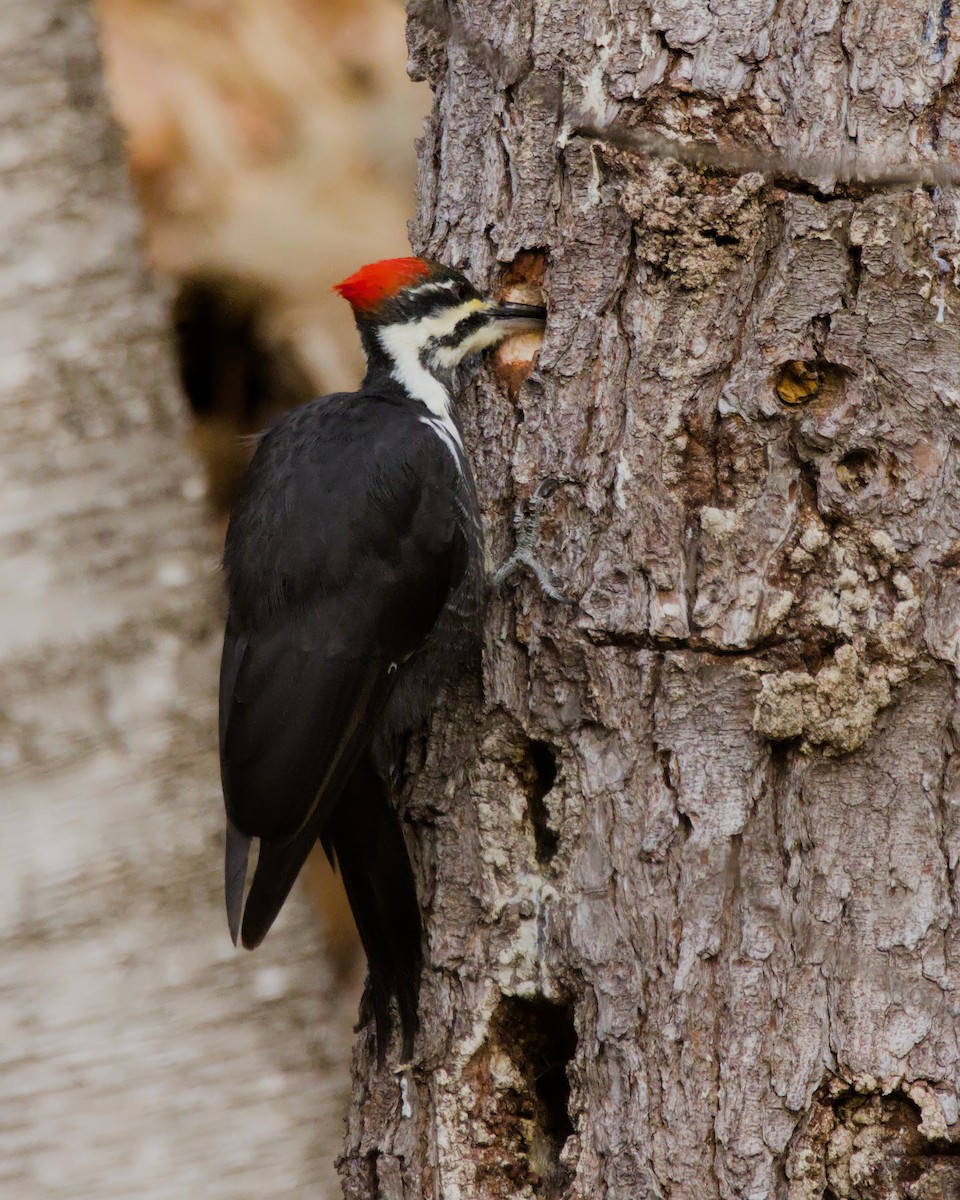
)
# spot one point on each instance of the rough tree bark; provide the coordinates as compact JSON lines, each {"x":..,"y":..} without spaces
{"x":691,"y":870}
{"x":139,"y":1054}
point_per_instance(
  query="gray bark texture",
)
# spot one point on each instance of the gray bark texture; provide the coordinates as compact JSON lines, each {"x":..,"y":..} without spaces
{"x":140,"y":1055}
{"x":688,"y":846}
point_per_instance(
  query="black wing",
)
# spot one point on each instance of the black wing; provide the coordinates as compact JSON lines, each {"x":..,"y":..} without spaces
{"x":340,"y":555}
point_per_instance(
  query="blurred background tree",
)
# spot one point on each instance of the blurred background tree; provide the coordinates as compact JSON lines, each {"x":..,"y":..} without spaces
{"x":271,"y":146}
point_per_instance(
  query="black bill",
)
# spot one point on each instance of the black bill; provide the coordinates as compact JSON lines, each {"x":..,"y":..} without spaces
{"x":536,"y":314}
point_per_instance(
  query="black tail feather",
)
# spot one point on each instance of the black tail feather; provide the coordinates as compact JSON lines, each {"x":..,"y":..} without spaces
{"x":366,"y":837}
{"x":279,"y":862}
{"x":235,"y":875}
{"x":278,"y":866}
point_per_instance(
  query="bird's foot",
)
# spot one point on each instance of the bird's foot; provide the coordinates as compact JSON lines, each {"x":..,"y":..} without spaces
{"x":526,"y":523}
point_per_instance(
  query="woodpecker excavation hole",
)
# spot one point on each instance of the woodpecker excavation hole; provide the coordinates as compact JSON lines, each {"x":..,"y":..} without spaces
{"x":869,"y":1146}
{"x":721,"y":239}
{"x":798,"y":382}
{"x":529,"y":267}
{"x":538,"y":774}
{"x":539,"y":1038}
{"x":815,"y":380}
{"x":522,"y":282}
{"x":856,"y":470}
{"x":855,"y":254}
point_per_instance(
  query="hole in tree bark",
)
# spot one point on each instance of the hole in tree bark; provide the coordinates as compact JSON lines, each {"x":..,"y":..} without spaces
{"x":539,"y":1037}
{"x":801,"y":381}
{"x":798,"y":382}
{"x":721,"y":239}
{"x":856,"y":269}
{"x":235,"y":375}
{"x":870,"y":1146}
{"x":856,"y":469}
{"x":528,"y":267}
{"x":539,"y":774}
{"x":229,"y":363}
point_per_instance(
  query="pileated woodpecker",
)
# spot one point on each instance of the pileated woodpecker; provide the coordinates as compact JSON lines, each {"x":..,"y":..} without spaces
{"x":354,"y":570}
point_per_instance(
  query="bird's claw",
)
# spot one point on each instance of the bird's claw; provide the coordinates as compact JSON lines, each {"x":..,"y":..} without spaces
{"x":526,"y":523}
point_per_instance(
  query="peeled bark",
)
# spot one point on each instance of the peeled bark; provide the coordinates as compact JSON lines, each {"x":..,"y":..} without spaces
{"x":688,"y":848}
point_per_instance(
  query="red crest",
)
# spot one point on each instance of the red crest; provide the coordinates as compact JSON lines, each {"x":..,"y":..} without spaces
{"x":379,"y":281}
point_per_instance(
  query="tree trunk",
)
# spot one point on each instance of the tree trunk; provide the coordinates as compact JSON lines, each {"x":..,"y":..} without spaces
{"x":140,"y":1056}
{"x":689,"y":859}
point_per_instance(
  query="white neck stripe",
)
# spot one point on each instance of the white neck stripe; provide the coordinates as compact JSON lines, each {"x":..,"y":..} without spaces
{"x":403,"y":347}
{"x":404,"y":344}
{"x":409,"y":371}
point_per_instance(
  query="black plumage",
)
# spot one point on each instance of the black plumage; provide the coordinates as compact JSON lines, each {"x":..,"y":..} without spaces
{"x":352,"y":530}
{"x":353,"y":565}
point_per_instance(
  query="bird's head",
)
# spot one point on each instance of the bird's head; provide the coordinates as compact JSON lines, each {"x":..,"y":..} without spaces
{"x":416,"y":311}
